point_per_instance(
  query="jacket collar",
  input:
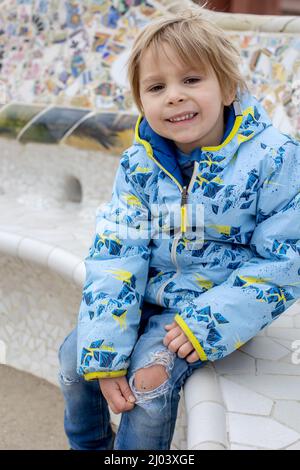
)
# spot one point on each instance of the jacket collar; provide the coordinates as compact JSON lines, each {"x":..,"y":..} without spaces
{"x":248,"y":120}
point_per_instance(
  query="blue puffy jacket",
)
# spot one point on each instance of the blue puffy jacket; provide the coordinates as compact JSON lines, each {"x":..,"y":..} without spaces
{"x":226,"y":280}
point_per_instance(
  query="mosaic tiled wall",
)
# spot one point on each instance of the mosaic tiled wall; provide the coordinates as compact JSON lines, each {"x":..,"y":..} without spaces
{"x":70,"y":52}
{"x":271,"y":64}
{"x":63,"y":77}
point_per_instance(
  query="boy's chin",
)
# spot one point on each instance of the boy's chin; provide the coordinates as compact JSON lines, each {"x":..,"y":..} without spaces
{"x":186,"y":147}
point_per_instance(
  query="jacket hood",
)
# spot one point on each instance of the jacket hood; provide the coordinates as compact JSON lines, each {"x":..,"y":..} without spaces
{"x":247,"y":120}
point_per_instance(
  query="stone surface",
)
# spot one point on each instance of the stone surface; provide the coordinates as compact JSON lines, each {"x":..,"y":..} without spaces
{"x":288,"y":413}
{"x":264,"y":348}
{"x":240,"y":399}
{"x":260,"y":432}
{"x":275,"y":368}
{"x":31,"y":413}
{"x":274,"y":387}
{"x":295,"y":446}
{"x":206,"y":423}
{"x":202,"y":386}
{"x":209,"y":446}
{"x":241,"y":447}
{"x":283,"y":333}
{"x":237,"y":363}
{"x":28,"y":290}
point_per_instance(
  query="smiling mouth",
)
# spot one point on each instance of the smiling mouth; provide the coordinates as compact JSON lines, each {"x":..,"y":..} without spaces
{"x":186,"y":118}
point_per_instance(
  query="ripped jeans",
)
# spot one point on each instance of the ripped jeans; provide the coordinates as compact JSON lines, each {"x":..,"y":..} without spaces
{"x":150,"y":424}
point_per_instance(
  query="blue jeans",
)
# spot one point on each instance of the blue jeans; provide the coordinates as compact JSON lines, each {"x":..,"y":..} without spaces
{"x":150,"y":424}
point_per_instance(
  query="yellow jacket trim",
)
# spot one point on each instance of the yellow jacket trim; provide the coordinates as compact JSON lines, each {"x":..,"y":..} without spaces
{"x":104,"y":374}
{"x":149,"y":151}
{"x":237,"y":125}
{"x":191,"y":337}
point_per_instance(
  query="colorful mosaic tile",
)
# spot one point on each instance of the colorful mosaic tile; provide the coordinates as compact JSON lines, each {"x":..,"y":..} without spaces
{"x":52,"y":125}
{"x":73,"y":54}
{"x":271,"y":65}
{"x":104,"y":131}
{"x":61,"y":51}
{"x":15,"y":117}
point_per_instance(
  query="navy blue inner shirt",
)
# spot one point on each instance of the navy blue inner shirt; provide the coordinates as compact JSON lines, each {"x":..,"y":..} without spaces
{"x":186,"y":160}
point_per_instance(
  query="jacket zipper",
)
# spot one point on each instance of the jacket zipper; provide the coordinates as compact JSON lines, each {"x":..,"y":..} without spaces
{"x":183,"y":225}
{"x":183,"y":215}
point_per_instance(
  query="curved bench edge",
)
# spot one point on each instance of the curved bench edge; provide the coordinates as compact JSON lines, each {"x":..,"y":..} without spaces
{"x":205,"y":411}
{"x":52,"y":257}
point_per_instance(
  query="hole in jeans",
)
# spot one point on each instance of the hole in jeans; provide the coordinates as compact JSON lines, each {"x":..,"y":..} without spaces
{"x":164,"y":358}
{"x":150,"y":378}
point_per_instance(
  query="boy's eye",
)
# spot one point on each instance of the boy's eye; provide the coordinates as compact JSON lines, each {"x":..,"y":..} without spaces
{"x":189,"y":81}
{"x":155,"y":88}
{"x":193,"y":79}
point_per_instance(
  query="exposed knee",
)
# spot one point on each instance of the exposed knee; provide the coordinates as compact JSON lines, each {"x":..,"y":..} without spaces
{"x":150,"y":377}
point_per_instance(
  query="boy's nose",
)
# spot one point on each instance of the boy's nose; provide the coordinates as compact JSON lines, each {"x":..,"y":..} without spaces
{"x":174,"y":95}
{"x":175,"y":99}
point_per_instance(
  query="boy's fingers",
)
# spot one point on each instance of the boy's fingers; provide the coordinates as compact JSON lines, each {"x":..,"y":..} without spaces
{"x":113,"y":407}
{"x":115,"y":400}
{"x":171,"y":325}
{"x":113,"y":392}
{"x":176,"y":343}
{"x":120,"y":407}
{"x":126,"y":391}
{"x":172,"y":334}
{"x":118,"y":403}
{"x":185,"y":349}
{"x":193,"y":357}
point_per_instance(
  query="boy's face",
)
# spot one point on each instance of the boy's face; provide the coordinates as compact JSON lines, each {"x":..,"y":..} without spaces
{"x":171,"y":90}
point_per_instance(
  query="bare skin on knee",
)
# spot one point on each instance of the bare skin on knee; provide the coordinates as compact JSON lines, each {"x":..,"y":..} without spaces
{"x":150,"y":378}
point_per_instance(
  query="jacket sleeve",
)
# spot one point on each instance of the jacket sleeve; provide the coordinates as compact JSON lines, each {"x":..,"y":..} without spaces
{"x":261,"y":289}
{"x":116,"y":276}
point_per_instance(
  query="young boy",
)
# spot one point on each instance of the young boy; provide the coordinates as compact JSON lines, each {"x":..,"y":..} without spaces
{"x":198,"y":249}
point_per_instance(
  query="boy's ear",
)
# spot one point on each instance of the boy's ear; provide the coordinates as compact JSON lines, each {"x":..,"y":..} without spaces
{"x":229,"y":97}
{"x":229,"y":100}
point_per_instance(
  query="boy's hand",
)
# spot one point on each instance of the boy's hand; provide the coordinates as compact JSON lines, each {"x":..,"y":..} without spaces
{"x":177,"y":342}
{"x":117,"y":393}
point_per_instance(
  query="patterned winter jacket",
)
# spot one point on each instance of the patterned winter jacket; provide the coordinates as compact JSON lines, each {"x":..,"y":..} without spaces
{"x":223,"y":253}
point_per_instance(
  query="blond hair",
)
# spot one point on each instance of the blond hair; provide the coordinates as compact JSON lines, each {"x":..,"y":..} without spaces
{"x":196,"y":40}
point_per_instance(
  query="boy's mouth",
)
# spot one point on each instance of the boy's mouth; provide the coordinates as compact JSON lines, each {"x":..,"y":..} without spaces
{"x":184,"y":118}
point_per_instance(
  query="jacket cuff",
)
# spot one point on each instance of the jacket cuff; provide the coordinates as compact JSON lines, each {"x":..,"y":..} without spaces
{"x":191,"y":337}
{"x":104,"y":374}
